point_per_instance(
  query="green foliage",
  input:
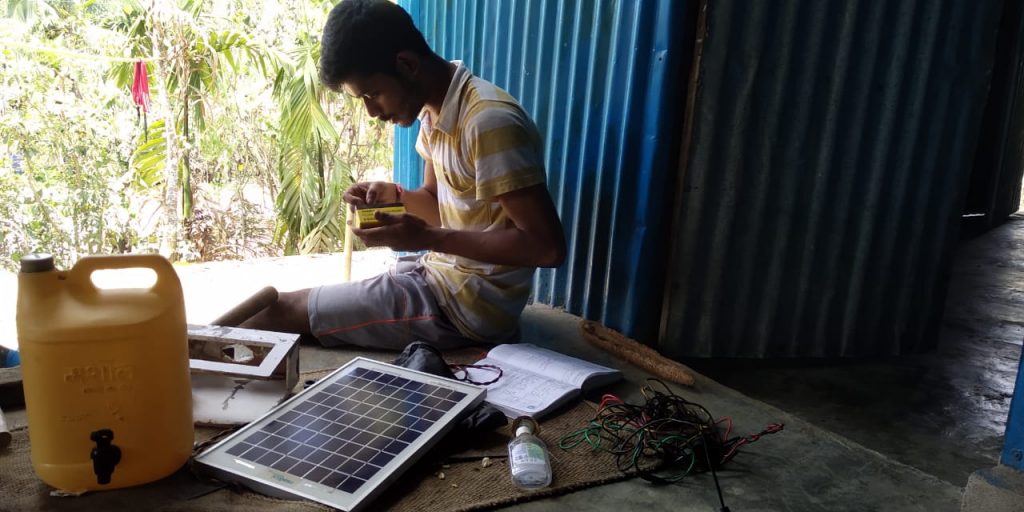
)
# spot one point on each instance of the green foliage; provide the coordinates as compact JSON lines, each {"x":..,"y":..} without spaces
{"x":63,"y":154}
{"x":149,"y":156}
{"x":310,"y":197}
{"x":29,"y":10}
{"x":266,"y":152}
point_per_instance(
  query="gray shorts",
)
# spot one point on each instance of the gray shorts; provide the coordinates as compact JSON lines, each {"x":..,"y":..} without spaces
{"x":387,"y":311}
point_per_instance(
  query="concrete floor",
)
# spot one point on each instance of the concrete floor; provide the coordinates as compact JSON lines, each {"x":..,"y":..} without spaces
{"x":893,"y":434}
{"x":943,"y":412}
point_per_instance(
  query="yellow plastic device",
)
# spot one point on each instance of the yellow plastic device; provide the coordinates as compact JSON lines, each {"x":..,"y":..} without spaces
{"x":364,"y":217}
{"x":105,"y":373}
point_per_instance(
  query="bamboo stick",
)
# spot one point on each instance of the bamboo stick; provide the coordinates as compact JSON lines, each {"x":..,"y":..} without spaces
{"x":633,"y":351}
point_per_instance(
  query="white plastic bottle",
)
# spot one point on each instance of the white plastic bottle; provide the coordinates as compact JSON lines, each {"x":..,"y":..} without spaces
{"x":528,"y":457}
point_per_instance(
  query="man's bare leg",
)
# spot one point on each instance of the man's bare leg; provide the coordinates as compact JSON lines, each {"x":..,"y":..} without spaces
{"x":289,"y":314}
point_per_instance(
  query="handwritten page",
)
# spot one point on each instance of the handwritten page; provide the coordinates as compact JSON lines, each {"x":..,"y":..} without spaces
{"x":535,"y":381}
{"x":547,"y":362}
{"x":518,"y":392}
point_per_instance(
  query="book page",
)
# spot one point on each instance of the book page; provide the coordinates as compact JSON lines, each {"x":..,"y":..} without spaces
{"x":548,"y":363}
{"x":520,"y":392}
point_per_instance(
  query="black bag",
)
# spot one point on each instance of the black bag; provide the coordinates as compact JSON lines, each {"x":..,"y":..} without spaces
{"x":422,"y":356}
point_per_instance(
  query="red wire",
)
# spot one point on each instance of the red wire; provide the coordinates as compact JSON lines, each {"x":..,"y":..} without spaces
{"x":607,"y":397}
{"x":770,"y":429}
{"x":728,"y":430}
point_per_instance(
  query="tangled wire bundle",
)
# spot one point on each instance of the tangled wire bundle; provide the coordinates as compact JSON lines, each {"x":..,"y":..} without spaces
{"x":665,"y":438}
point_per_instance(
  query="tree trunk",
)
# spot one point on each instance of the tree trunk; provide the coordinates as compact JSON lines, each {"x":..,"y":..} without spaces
{"x":186,"y":174}
{"x":171,"y":222}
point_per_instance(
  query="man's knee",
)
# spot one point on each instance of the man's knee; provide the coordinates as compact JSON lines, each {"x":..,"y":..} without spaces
{"x":288,"y":314}
{"x":294,"y":306}
{"x":293,"y":301}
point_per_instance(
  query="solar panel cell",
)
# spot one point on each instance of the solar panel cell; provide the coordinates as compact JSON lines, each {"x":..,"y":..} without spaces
{"x":254,"y":453}
{"x":374,"y":399}
{"x":301,"y":451}
{"x":334,"y":479}
{"x":318,"y":473}
{"x":379,"y":424}
{"x":362,"y":438}
{"x":301,"y":468}
{"x":381,"y":459}
{"x":362,"y":423}
{"x":317,"y":456}
{"x":302,"y":435}
{"x":269,"y":458}
{"x":318,"y":440}
{"x":408,"y":436}
{"x":319,"y":424}
{"x":287,"y":446}
{"x":421,"y":425}
{"x":285,"y":463}
{"x":395,"y":446}
{"x":379,"y":442}
{"x":365,"y":454}
{"x":351,"y":484}
{"x":349,"y":449}
{"x":270,"y":441}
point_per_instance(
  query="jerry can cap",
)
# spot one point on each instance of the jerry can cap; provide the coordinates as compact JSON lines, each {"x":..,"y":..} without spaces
{"x":37,"y":262}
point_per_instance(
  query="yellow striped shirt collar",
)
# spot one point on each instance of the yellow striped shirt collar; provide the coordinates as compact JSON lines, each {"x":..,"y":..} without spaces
{"x":449,"y":115}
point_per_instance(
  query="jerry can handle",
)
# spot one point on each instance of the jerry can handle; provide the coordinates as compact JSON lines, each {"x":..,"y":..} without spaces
{"x":165,"y":274}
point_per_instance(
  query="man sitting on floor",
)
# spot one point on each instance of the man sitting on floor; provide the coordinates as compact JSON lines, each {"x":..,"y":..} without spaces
{"x":483,"y":212}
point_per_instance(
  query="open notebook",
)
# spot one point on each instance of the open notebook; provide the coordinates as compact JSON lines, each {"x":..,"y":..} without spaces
{"x":536,"y":381}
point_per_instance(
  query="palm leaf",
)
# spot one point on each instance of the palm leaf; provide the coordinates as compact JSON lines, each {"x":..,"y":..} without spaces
{"x":148,"y":160}
{"x":313,"y":179}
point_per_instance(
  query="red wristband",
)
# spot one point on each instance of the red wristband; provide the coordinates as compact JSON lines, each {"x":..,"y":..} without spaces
{"x":398,"y":192}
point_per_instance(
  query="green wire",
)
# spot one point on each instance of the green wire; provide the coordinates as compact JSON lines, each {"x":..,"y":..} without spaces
{"x":664,"y":431}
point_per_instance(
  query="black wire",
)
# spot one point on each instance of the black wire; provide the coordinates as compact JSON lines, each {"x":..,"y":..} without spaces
{"x":660,"y":440}
{"x":714,"y":476}
{"x":665,"y":431}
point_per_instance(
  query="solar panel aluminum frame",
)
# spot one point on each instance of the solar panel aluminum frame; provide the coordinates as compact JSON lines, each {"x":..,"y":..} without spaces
{"x":224,"y":466}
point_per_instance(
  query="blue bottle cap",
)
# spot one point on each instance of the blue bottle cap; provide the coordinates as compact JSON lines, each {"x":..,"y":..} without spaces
{"x":9,"y":358}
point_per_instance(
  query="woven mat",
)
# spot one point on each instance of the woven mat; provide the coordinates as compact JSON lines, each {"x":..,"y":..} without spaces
{"x":466,"y":485}
{"x":469,"y":486}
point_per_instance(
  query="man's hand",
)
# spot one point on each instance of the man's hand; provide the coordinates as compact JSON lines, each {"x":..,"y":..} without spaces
{"x":400,"y":232}
{"x":369,"y":193}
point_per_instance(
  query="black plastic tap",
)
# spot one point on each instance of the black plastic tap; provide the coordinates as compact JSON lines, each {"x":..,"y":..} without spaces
{"x":105,"y":455}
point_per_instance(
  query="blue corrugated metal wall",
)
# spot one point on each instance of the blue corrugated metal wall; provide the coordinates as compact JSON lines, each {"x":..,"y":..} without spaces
{"x":1013,"y":447}
{"x":602,"y":80}
{"x":831,"y":147}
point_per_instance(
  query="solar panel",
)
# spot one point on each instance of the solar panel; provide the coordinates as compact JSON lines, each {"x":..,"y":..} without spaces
{"x":342,"y":440}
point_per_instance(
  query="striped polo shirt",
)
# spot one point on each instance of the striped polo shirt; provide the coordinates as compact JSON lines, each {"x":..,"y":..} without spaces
{"x":482,"y":145}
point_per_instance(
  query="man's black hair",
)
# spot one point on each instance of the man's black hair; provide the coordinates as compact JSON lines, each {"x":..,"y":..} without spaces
{"x":362,"y":37}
